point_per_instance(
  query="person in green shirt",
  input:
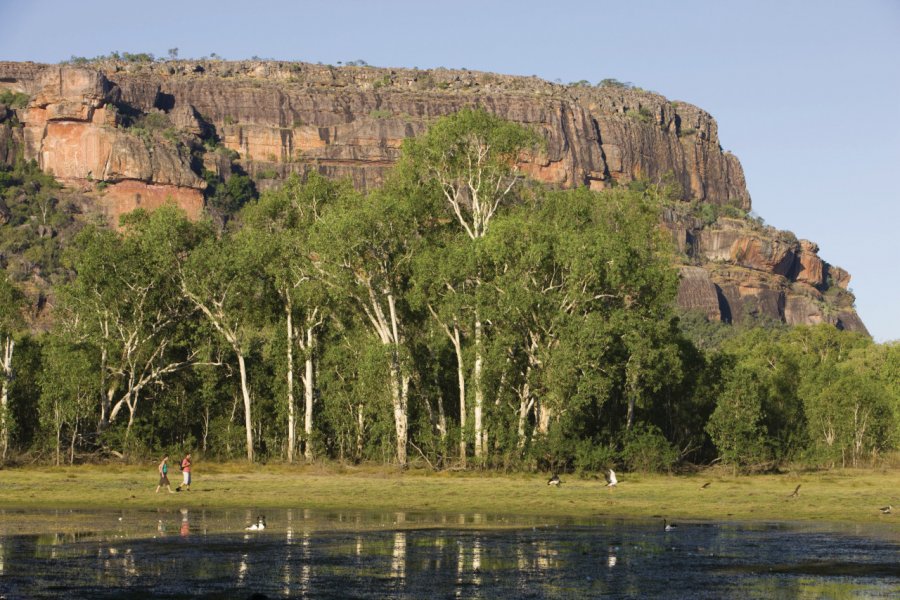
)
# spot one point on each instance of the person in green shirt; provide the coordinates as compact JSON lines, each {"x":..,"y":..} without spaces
{"x":163,"y":469}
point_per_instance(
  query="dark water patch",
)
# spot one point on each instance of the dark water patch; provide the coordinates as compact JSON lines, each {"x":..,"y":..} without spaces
{"x":207,"y":554}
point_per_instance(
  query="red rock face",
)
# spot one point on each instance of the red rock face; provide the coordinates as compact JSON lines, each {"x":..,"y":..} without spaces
{"x":72,"y":132}
{"x":697,"y":292}
{"x":124,"y":197}
{"x":811,"y":267}
{"x":758,"y":273}
{"x":351,"y":123}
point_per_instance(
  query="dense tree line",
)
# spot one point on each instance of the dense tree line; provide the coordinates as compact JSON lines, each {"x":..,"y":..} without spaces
{"x":460,"y":315}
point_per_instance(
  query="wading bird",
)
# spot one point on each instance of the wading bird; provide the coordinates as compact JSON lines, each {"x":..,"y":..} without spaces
{"x":611,"y":480}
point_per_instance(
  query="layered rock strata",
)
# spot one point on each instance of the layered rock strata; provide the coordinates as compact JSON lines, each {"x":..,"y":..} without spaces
{"x":278,"y":118}
{"x":737,"y":270}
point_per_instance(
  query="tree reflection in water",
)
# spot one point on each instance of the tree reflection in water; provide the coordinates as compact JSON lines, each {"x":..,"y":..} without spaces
{"x":307,"y":554}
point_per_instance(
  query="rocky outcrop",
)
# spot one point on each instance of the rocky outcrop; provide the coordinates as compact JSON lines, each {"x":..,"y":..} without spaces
{"x":759,"y":273}
{"x":350,"y":122}
{"x":85,"y":125}
{"x":72,"y":128}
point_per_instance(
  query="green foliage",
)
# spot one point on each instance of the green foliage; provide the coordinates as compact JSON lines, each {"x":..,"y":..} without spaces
{"x":227,"y":197}
{"x":641,"y":114}
{"x":131,"y":57}
{"x":709,"y":212}
{"x":457,"y":280}
{"x":646,"y":449}
{"x":736,"y":426}
{"x":613,"y":83}
{"x":69,"y":389}
{"x":14,"y":99}
{"x":41,"y":221}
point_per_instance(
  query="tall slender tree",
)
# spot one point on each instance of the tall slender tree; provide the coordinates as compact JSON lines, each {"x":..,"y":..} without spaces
{"x":12,"y":306}
{"x":283,"y":221}
{"x":470,"y":159}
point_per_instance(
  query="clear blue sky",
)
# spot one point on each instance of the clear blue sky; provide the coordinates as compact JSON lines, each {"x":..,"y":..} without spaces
{"x":806,"y":93}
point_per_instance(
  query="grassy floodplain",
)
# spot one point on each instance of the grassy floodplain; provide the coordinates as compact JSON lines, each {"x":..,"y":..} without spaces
{"x":843,"y":496}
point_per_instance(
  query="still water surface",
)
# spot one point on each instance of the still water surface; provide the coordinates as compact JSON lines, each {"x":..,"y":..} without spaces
{"x":196,"y":553}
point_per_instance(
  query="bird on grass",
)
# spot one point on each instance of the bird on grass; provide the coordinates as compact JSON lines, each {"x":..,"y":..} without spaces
{"x":886,"y":510}
{"x":611,"y":480}
{"x":705,"y":485}
{"x":554,"y":480}
{"x":796,"y":492}
{"x":669,"y":526}
{"x":258,"y":526}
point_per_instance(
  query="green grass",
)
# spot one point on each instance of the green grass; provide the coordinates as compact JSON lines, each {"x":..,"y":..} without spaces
{"x":850,"y":496}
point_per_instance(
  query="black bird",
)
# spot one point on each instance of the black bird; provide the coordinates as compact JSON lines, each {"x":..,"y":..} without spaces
{"x":554,"y":480}
{"x":886,"y":510}
{"x":705,"y":485}
{"x":796,"y":492}
{"x":669,"y":526}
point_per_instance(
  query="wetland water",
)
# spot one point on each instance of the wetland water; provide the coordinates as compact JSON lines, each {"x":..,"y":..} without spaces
{"x":207,"y":553}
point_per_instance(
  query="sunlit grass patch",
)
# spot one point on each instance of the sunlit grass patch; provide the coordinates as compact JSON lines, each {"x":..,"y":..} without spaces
{"x":851,"y":496}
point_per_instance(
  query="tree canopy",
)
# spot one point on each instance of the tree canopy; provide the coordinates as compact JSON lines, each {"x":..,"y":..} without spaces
{"x":460,"y":315}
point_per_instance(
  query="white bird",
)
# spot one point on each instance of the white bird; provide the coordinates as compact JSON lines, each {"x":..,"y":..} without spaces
{"x":554,"y":480}
{"x":258,"y":526}
{"x":669,"y":526}
{"x":611,"y":480}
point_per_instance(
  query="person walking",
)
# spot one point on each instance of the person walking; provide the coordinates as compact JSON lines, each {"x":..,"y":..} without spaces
{"x":163,"y":469}
{"x":186,"y":473}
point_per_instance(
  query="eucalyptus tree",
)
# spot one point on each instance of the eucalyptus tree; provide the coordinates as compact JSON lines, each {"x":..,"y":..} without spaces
{"x":282,"y":221}
{"x":69,"y":388}
{"x":845,"y":401}
{"x":366,"y":248}
{"x":12,"y":321}
{"x":470,"y":160}
{"x":443,"y":285}
{"x":586,"y":280}
{"x":126,"y":302}
{"x":225,"y":279}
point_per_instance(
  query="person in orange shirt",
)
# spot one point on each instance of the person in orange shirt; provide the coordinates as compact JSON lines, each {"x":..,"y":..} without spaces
{"x":186,"y":473}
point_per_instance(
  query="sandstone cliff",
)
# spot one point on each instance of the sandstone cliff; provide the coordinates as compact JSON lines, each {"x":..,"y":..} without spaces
{"x":83,"y":124}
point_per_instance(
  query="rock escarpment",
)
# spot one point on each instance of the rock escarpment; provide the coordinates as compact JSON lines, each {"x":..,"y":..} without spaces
{"x":737,"y":269}
{"x":92,"y":124}
{"x":72,"y":128}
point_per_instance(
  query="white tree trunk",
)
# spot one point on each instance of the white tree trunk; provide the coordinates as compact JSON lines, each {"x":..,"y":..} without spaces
{"x":399,"y":385}
{"x":526,"y":402}
{"x":479,"y":391}
{"x":360,"y":427}
{"x":105,"y":390}
{"x":292,"y":442}
{"x":461,"y":378}
{"x":7,"y":374}
{"x":543,"y":419}
{"x":245,"y":392}
{"x":308,"y":388}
